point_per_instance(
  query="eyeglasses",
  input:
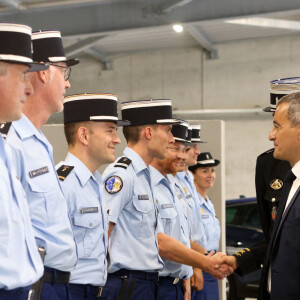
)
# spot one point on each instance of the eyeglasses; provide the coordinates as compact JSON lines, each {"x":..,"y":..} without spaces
{"x":67,"y":71}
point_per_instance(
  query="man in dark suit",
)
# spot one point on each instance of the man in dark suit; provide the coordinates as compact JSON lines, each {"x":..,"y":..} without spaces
{"x":281,"y":272}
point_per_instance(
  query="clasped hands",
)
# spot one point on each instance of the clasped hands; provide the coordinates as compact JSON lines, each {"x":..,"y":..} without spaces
{"x":220,"y":265}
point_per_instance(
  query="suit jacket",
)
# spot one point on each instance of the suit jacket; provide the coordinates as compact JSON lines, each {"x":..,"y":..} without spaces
{"x":283,"y":254}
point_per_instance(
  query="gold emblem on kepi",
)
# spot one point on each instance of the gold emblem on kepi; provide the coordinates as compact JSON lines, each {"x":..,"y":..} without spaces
{"x":276,"y":184}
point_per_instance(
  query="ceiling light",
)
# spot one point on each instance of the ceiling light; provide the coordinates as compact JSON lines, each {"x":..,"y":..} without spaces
{"x":178,"y":28}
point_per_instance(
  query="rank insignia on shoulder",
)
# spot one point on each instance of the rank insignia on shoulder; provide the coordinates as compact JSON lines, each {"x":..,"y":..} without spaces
{"x":113,"y":184}
{"x":4,"y":128}
{"x":276,"y":184}
{"x":64,"y":171}
{"x":123,"y":162}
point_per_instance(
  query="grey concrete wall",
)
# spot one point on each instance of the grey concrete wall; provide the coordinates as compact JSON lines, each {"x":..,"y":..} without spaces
{"x":239,"y":78}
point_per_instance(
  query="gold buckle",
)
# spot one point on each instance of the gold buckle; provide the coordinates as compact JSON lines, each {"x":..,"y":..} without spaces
{"x":175,"y":281}
{"x":100,"y":289}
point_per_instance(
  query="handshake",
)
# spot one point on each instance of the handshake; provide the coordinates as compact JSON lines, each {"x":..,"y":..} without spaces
{"x":220,"y":265}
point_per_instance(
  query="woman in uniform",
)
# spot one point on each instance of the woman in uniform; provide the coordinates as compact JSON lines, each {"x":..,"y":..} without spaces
{"x":204,"y":178}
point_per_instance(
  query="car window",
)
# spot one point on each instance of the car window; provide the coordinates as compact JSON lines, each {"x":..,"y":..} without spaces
{"x":231,"y":214}
{"x":245,"y":215}
{"x":251,"y":218}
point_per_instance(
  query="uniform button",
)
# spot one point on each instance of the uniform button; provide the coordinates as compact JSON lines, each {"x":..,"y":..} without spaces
{"x":274,"y":273}
{"x":91,"y":224}
{"x":261,"y":266}
{"x":273,"y":199}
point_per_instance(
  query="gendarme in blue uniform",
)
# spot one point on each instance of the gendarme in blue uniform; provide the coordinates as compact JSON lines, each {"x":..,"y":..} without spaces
{"x":133,"y":247}
{"x":212,"y":232}
{"x":20,"y":262}
{"x":133,"y":210}
{"x":197,"y":227}
{"x":47,"y":205}
{"x":172,"y":222}
{"x":83,"y":190}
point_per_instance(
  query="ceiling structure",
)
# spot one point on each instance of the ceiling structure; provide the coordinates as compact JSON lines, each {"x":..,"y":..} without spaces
{"x":108,"y":28}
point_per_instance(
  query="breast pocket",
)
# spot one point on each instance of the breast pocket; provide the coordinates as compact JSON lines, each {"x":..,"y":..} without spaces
{"x":86,"y":232}
{"x":168,"y":217}
{"x":45,"y":204}
{"x":145,"y":215}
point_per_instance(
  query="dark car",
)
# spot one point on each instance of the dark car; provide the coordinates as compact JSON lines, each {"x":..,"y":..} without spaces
{"x":243,"y":230}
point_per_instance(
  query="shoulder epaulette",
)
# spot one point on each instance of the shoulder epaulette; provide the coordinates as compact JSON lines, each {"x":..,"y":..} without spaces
{"x":64,"y":171}
{"x":4,"y":128}
{"x":123,"y":162}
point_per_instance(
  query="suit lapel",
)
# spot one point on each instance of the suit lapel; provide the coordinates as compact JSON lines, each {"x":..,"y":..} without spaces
{"x":285,"y":213}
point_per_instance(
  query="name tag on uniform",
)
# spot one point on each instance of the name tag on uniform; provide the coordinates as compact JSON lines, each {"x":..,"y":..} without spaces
{"x":143,"y":197}
{"x":205,"y":216}
{"x":167,"y":205}
{"x":88,"y":210}
{"x":38,"y":172}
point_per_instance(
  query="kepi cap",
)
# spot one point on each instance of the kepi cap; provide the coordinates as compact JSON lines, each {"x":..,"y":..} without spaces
{"x":148,"y":112}
{"x":196,"y":130}
{"x":280,"y":88}
{"x":92,"y":107}
{"x":180,"y":132}
{"x":48,"y":47}
{"x":15,"y":46}
{"x":205,"y":159}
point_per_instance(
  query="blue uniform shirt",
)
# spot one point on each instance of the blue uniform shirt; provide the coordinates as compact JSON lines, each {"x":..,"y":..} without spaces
{"x":183,"y":202}
{"x":83,"y":190}
{"x":129,"y":201}
{"x":47,"y":205}
{"x":211,"y":223}
{"x":197,"y":227}
{"x":172,"y":222}
{"x":20,"y":262}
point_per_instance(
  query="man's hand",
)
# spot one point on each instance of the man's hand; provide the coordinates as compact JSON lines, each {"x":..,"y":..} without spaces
{"x":217,"y":266}
{"x":197,"y":280}
{"x":231,"y":261}
{"x":186,"y":287}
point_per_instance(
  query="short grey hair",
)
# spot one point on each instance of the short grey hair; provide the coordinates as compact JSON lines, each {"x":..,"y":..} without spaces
{"x":293,"y":112}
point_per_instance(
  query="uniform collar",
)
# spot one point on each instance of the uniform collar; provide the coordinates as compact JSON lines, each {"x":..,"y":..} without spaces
{"x":136,"y":161}
{"x":81,"y":170}
{"x":181,"y":175}
{"x":157,"y":176}
{"x":296,"y":169}
{"x":24,"y":127}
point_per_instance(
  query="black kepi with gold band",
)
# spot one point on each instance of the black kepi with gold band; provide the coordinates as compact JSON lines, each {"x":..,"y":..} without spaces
{"x":148,"y":112}
{"x":48,"y":47}
{"x":15,"y":46}
{"x":92,"y":107}
{"x":280,"y":88}
{"x":180,"y":132}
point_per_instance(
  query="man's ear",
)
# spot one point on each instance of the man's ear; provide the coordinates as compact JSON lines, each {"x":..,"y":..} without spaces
{"x":148,"y":132}
{"x":83,"y":135}
{"x":43,"y":75}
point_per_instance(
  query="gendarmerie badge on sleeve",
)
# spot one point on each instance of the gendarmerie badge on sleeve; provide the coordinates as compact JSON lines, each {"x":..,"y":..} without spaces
{"x":113,"y":184}
{"x":276,"y":184}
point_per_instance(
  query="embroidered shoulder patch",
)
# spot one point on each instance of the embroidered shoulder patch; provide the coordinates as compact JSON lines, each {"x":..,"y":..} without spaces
{"x":64,"y":171}
{"x":123,"y":162}
{"x":113,"y":184}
